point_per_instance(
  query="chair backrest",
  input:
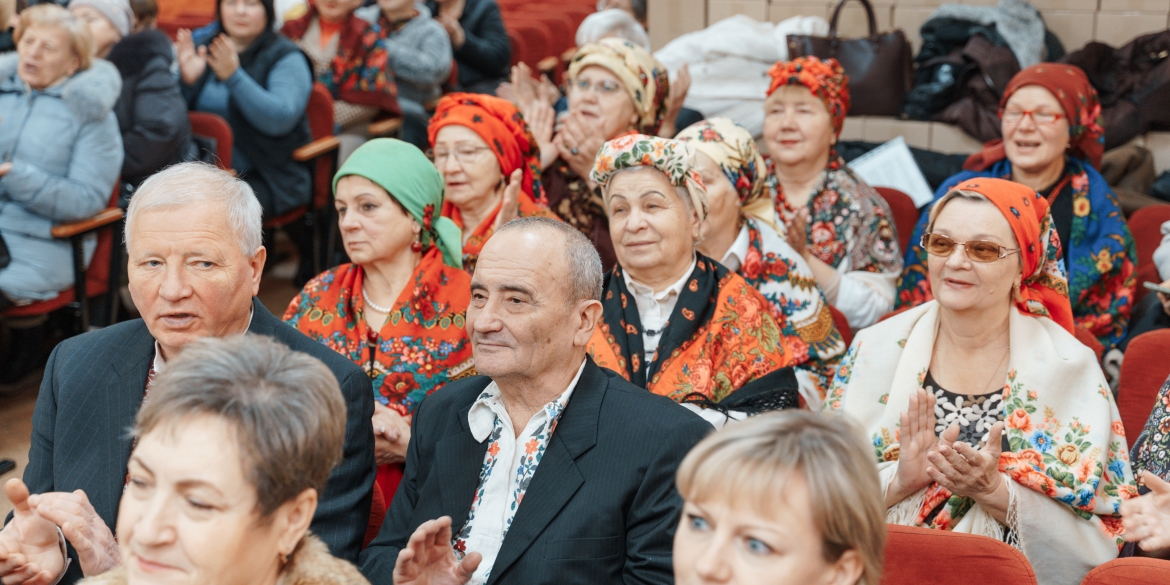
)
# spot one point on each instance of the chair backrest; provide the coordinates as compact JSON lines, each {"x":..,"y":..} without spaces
{"x":519,"y":46}
{"x":1130,"y":571}
{"x":1146,"y":226}
{"x":917,"y":556}
{"x":905,"y":213}
{"x":320,"y":114}
{"x":842,"y":325}
{"x":214,"y":127}
{"x":1143,"y":372}
{"x":97,"y":275}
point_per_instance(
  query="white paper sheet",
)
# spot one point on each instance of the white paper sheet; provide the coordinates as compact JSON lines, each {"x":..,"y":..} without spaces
{"x":891,"y":165}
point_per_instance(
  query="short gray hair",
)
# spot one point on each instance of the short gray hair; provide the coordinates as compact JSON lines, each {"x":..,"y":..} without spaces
{"x":285,"y":407}
{"x":199,"y":183}
{"x":612,"y":22}
{"x":584,"y":263}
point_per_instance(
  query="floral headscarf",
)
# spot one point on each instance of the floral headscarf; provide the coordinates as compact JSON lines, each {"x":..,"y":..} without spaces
{"x":825,"y":79}
{"x":1044,"y":289}
{"x":643,"y":76}
{"x":501,"y":126}
{"x":675,"y":159}
{"x":732,"y":147}
{"x":1071,"y":87}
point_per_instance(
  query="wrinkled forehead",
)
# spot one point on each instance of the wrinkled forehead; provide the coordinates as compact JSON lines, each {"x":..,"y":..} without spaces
{"x":208,"y":217}
{"x":532,"y":258}
{"x":973,"y":219}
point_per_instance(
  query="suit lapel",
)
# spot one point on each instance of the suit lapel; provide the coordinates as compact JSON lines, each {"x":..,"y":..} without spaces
{"x":458,"y":459}
{"x":127,"y":373}
{"x":557,"y":477}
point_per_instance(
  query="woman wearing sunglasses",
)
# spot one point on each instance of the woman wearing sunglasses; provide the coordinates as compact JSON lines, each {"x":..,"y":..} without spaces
{"x":1052,"y":143}
{"x":985,"y":413}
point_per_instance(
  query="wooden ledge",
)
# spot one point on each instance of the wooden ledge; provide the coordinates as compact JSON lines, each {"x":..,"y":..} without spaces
{"x":77,"y":228}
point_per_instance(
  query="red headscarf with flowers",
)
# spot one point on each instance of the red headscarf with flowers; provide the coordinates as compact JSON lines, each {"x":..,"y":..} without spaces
{"x":502,"y":127}
{"x":1071,"y":87}
{"x":825,"y":79}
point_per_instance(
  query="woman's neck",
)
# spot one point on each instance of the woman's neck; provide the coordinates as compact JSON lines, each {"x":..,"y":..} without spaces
{"x":478,"y":210}
{"x":404,"y":13}
{"x":385,"y":278}
{"x":799,"y":180}
{"x":974,"y":331}
{"x":242,"y":43}
{"x":1041,"y":179}
{"x":719,"y":242}
{"x":660,"y":277}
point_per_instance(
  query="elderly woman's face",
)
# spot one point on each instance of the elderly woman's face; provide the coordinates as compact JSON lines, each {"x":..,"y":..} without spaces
{"x":188,"y":277}
{"x":1031,"y":145}
{"x":105,"y":36}
{"x":652,"y":228}
{"x":189,"y":513}
{"x":722,"y":198}
{"x":600,"y":98}
{"x":470,"y":170}
{"x":732,"y":543}
{"x":373,"y":226}
{"x":957,"y":282}
{"x":45,"y":56}
{"x":336,"y":10}
{"x":797,"y":127}
{"x":243,"y":19}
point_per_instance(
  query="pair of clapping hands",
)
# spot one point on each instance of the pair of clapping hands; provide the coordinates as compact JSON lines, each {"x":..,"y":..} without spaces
{"x":30,"y":547}
{"x":221,"y":55}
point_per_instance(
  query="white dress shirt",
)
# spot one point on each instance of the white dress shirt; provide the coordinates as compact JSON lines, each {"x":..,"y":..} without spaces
{"x":654,"y":308}
{"x":737,"y":253}
{"x":508,"y":467}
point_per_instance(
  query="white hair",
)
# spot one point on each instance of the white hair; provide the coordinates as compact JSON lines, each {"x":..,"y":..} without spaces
{"x":197,"y":183}
{"x":612,"y":23}
{"x":587,"y":278}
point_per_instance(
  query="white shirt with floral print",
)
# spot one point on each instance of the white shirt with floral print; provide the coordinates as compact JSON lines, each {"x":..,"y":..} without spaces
{"x":508,"y":468}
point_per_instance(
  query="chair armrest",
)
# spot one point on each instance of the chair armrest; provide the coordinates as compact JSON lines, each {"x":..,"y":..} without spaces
{"x":316,"y":148}
{"x":76,"y":228}
{"x":384,"y":127}
{"x":548,"y":65}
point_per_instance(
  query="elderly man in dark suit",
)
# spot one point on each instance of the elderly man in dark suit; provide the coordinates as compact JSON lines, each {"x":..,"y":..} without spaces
{"x":193,"y":233}
{"x":546,"y":469}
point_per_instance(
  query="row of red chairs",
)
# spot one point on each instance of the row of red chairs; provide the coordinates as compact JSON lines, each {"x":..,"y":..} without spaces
{"x":541,"y":30}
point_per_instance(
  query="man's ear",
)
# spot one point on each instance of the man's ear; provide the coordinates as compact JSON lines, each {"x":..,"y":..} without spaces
{"x":256,"y":263}
{"x":590,"y":314}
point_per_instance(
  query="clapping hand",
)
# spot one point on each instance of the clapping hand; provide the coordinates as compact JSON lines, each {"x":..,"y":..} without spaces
{"x":541,"y":120}
{"x":678,"y":94}
{"x":967,"y":471}
{"x":428,"y":558}
{"x":797,"y":231}
{"x":916,"y":440}
{"x":511,"y":206}
{"x":1147,"y":519}
{"x":192,"y":61}
{"x":223,"y":57}
{"x":30,"y":550}
{"x":391,"y":435}
{"x":578,"y":143}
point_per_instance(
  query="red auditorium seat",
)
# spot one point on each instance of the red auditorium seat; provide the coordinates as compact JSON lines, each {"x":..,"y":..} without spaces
{"x":216,"y":128}
{"x":842,"y":325}
{"x":1146,"y":226}
{"x":1131,"y":571}
{"x":920,"y":556}
{"x":1143,"y":372}
{"x":905,"y":213}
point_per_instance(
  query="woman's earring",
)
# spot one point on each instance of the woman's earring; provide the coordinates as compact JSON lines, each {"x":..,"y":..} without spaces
{"x":416,"y":245}
{"x":1016,"y":291}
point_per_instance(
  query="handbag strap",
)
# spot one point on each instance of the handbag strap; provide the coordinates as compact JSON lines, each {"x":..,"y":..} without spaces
{"x":873,"y":31}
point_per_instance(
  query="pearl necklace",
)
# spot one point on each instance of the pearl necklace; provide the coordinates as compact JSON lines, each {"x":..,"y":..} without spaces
{"x":372,"y":304}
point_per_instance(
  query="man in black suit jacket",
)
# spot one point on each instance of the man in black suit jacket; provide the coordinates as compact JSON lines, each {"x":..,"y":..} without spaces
{"x":601,"y":505}
{"x":190,"y":277}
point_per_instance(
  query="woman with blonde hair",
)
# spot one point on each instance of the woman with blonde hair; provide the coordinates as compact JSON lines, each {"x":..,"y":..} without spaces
{"x":781,"y":498}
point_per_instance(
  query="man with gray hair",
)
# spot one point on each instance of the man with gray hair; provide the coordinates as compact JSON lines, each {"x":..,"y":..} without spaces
{"x":546,"y":468}
{"x":193,"y":234}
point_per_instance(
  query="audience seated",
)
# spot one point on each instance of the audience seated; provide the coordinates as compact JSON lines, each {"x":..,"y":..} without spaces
{"x":781,"y":499}
{"x":1051,"y":123}
{"x":742,"y":231}
{"x":612,"y":22}
{"x":62,"y":153}
{"x":151,"y":112}
{"x":674,"y":321}
{"x":485,"y":192}
{"x":482,"y":49}
{"x":193,"y":235}
{"x":240,"y":69}
{"x":419,"y":54}
{"x":839,"y":224}
{"x":398,"y":309}
{"x":546,"y":469}
{"x":615,"y":88}
{"x":350,"y":59}
{"x":259,"y":427}
{"x":1037,"y":462}
{"x":1153,"y":311}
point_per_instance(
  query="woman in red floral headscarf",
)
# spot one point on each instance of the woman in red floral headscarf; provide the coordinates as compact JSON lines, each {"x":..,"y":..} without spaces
{"x":1052,"y":143}
{"x":491,"y":164}
{"x":985,"y":413}
{"x":840,"y":225}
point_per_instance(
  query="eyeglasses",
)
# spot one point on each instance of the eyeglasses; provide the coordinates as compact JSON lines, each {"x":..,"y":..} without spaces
{"x":604,"y":87}
{"x":463,"y":154}
{"x":1017,"y":116}
{"x":977,"y":250}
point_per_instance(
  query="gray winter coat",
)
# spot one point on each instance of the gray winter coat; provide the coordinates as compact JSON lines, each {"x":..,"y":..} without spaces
{"x":66,"y":153}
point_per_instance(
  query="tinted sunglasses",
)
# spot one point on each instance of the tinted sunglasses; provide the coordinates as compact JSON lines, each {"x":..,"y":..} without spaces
{"x":977,"y":250}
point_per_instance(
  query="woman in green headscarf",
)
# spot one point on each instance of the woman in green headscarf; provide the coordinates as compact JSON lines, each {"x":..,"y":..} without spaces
{"x":398,"y":309}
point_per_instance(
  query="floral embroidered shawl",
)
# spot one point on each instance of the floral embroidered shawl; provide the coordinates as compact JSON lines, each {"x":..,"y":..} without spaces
{"x":719,"y":338}
{"x":360,"y":72}
{"x":1100,"y":259}
{"x":1063,"y":428}
{"x":1151,"y":450}
{"x":423,"y":344}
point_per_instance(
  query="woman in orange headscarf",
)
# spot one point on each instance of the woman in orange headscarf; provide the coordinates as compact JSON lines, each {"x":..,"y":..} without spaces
{"x":484,"y":192}
{"x":985,"y":413}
